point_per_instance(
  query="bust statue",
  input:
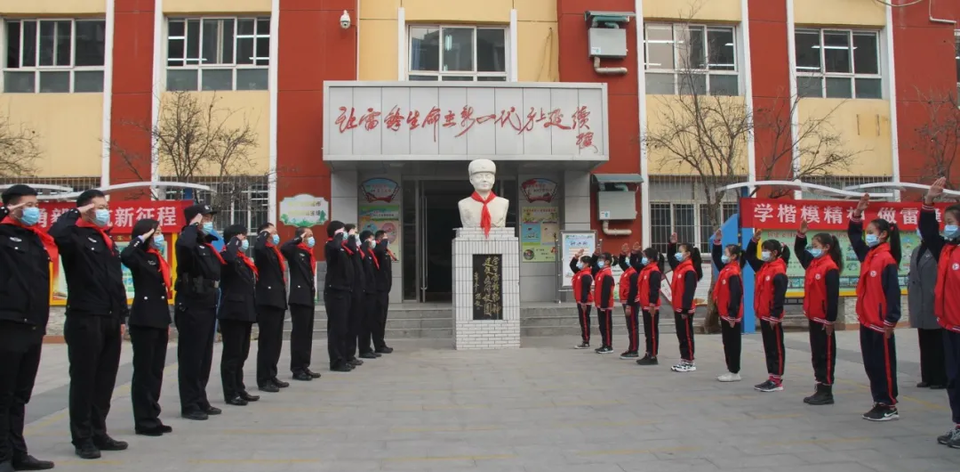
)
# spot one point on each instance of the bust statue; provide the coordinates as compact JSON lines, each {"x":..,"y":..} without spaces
{"x":483,"y":209}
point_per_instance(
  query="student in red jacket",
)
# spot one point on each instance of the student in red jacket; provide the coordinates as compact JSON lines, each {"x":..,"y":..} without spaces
{"x":728,"y":296}
{"x":583,"y":293}
{"x":648,"y":298}
{"x":603,"y":287}
{"x":823,"y":261}
{"x":771,"y":292}
{"x":947,"y":294}
{"x":687,"y":271}
{"x":628,"y":261}
{"x":878,"y":307}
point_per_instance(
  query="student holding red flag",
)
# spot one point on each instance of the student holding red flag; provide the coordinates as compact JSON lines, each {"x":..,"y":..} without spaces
{"x":947,"y":295}
{"x":149,"y":323}
{"x":237,"y":314}
{"x":771,"y":292}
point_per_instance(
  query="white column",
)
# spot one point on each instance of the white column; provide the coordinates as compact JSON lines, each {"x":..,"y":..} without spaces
{"x":158,"y":85}
{"x":890,"y":72}
{"x":401,"y":44}
{"x":748,"y":92}
{"x":105,"y":132}
{"x":514,"y":62}
{"x":794,"y":97}
{"x":646,"y":231}
{"x":272,"y":86}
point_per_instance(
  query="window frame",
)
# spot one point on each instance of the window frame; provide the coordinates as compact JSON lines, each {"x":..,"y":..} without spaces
{"x":38,"y":69}
{"x":678,"y":60}
{"x":852,"y":76}
{"x":475,"y":74}
{"x":232,"y":66}
{"x":701,"y":237}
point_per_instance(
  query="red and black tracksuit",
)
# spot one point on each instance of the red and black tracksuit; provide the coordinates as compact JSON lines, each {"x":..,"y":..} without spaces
{"x":821,"y":299}
{"x":582,"y":285}
{"x":603,"y":297}
{"x":728,"y":296}
{"x":946,"y":300}
{"x":771,"y":292}
{"x":648,"y":298}
{"x":628,"y":297}
{"x":878,"y":307}
{"x":683,"y":287}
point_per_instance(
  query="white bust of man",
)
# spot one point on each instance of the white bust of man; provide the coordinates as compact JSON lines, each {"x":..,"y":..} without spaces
{"x":482,"y":175}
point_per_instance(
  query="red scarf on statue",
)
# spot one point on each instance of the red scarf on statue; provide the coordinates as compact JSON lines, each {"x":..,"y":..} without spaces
{"x":48,"y":243}
{"x":485,"y":219}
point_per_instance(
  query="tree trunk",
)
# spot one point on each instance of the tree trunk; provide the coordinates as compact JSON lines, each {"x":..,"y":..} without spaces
{"x":711,"y":324}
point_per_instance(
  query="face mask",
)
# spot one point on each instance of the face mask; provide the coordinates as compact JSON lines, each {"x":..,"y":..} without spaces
{"x":678,"y":256}
{"x":208,"y":227}
{"x":579,"y":265}
{"x":358,"y":244}
{"x":725,"y":259}
{"x":30,"y":216}
{"x":626,"y":262}
{"x":158,"y":241}
{"x":644,"y":261}
{"x":600,"y":264}
{"x":311,"y":241}
{"x":873,"y":240}
{"x":102,"y":217}
{"x":951,"y":232}
{"x":765,"y":256}
{"x":275,"y":239}
{"x":371,"y":243}
{"x":815,"y":252}
{"x":244,"y":245}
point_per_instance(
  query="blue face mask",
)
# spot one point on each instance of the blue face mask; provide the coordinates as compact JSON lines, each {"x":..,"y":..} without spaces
{"x":208,"y":227}
{"x":626,"y":262}
{"x":158,"y":241}
{"x":311,"y":241}
{"x":102,"y":217}
{"x":765,"y":256}
{"x":725,"y":259}
{"x":275,"y":239}
{"x":815,"y":252}
{"x":244,"y":245}
{"x":873,"y":240}
{"x":579,"y":265}
{"x":644,"y":261}
{"x":30,"y":216}
{"x":678,"y":256}
{"x":600,"y":264}
{"x":951,"y":232}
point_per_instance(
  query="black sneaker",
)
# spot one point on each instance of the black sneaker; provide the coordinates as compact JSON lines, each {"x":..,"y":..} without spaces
{"x":384,"y":350}
{"x":269,"y":387}
{"x":629,"y":355}
{"x":583,"y":345}
{"x":355,"y":362}
{"x":882,"y":413}
{"x":106,"y":443}
{"x":368,"y":355}
{"x":769,"y":386}
{"x":87,"y":451}
{"x":280,"y":383}
{"x":605,"y":350}
{"x":823,"y":396}
{"x":29,"y":462}
{"x":341,"y":368}
{"x":647,"y":360}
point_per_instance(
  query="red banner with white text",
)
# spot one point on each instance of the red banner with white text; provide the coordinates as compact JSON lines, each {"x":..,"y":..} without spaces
{"x":123,"y":215}
{"x":826,"y":215}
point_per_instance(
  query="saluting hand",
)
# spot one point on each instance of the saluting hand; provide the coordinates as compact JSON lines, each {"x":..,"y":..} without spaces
{"x":935,"y":190}
{"x":804,"y":227}
{"x":625,"y":248}
{"x":862,"y":205}
{"x":146,"y":236}
{"x":637,"y":247}
{"x":11,"y":208}
{"x":718,"y":236}
{"x":196,"y":219}
{"x":674,"y":238}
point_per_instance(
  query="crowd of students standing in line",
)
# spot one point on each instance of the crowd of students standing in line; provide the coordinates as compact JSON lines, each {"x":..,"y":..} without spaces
{"x":877,"y":247}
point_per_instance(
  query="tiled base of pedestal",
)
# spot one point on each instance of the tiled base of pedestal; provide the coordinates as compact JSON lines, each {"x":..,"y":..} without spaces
{"x":486,"y":334}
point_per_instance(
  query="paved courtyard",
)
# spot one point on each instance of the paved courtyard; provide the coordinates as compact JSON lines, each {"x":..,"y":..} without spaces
{"x":545,"y":407}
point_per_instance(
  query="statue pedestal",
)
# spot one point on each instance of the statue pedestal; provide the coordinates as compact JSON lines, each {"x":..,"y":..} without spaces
{"x":486,"y":289}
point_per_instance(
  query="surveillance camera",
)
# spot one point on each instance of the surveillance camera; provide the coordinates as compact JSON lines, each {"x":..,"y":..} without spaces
{"x":345,"y":20}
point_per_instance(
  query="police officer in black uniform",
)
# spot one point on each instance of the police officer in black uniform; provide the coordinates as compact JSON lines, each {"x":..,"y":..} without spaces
{"x":371,"y":267}
{"x":238,"y":313}
{"x":271,"y":307}
{"x":337,"y":296}
{"x":25,"y":254}
{"x":355,"y":321}
{"x":149,"y":323}
{"x":384,"y":279}
{"x":96,"y":308}
{"x":303,"y":265}
{"x":198,"y":281}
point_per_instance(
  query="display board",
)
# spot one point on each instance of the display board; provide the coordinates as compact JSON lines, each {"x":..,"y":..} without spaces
{"x":571,"y":242}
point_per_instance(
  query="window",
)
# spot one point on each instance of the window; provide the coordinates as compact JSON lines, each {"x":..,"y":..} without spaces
{"x":691,"y":222}
{"x":242,"y":200}
{"x":54,"y":56}
{"x":690,"y":59}
{"x":458,"y":53}
{"x":838,"y":64}
{"x":218,"y":53}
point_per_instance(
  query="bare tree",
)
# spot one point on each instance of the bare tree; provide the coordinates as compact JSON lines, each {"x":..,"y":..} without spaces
{"x":19,"y":149}
{"x":938,"y":138}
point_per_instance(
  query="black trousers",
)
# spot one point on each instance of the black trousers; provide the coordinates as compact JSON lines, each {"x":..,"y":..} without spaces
{"x":354,"y":326}
{"x":773,"y":348}
{"x":605,"y":320}
{"x":651,"y":332}
{"x":235,"y":336}
{"x":269,"y":343}
{"x":301,"y":337}
{"x":632,"y":313}
{"x":380,"y":332}
{"x":685,"y":336}
{"x":823,"y":353}
{"x":93,"y":348}
{"x":932,"y":356}
{"x":732,"y":345}
{"x":583,"y":313}
{"x":337,"y":304}
{"x":951,"y":348}
{"x":19,"y":361}
{"x":880,"y":362}
{"x":195,"y":327}
{"x":149,"y":358}
{"x":371,"y":320}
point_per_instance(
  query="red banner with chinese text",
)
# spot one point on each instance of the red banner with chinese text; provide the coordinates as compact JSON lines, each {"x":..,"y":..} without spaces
{"x":123,"y":215}
{"x":826,"y":214}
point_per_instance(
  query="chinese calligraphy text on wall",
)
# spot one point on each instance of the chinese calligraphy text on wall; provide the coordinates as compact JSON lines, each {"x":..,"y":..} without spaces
{"x":487,"y":287}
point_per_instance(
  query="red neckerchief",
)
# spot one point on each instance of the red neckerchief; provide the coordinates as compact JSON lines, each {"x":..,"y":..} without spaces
{"x":81,"y":223}
{"x":374,"y":257}
{"x":485,"y":219}
{"x":164,"y":268}
{"x":283,"y":267}
{"x":313,"y":259}
{"x":215,"y":253}
{"x":48,"y":243}
{"x":249,"y":262}
{"x":344,"y":245}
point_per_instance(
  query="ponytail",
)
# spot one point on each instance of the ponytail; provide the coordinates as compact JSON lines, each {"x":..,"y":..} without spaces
{"x":735,"y":250}
{"x":893,"y":237}
{"x":834,"y":252}
{"x":661,"y":262}
{"x":655,"y":257}
{"x":785,"y":254}
{"x":695,"y":259}
{"x":782,"y":250}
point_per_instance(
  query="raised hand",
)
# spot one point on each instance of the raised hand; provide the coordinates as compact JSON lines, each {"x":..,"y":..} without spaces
{"x":146,"y":236}
{"x":86,"y":208}
{"x":307,"y":234}
{"x":756,"y":237}
{"x":862,"y":205}
{"x":580,"y":253}
{"x":718,"y":236}
{"x":804,"y":227}
{"x":935,"y":190}
{"x":625,"y":248}
{"x":674,"y":238}
{"x":11,"y":208}
{"x":637,"y":247}
{"x":196,"y":219}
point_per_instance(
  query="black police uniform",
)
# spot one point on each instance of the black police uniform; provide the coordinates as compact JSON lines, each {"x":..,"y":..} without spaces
{"x":303,"y":293}
{"x":369,"y":303}
{"x":271,"y":308}
{"x":384,"y":278}
{"x":24,"y":310}
{"x":238,"y":313}
{"x":198,"y":281}
{"x":96,"y":308}
{"x":337,"y":296}
{"x":355,"y":323}
{"x":149,"y":326}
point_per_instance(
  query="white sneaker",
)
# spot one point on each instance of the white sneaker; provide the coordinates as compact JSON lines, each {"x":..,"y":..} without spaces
{"x":729,"y":377}
{"x":684,"y":367}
